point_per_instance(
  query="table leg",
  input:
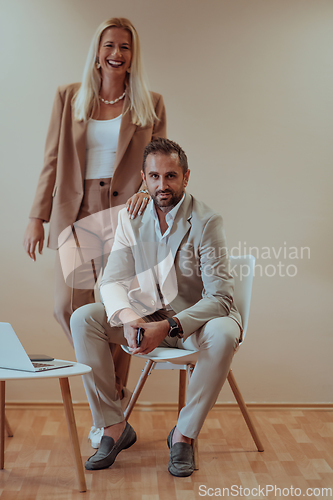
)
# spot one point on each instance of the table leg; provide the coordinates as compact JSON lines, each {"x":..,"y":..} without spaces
{"x":2,"y":424}
{"x":8,"y":428}
{"x":67,"y":399}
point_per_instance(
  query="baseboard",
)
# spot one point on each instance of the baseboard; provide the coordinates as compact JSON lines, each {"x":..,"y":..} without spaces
{"x":173,"y":406}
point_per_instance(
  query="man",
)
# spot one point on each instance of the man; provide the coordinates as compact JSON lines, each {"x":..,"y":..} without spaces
{"x":168,"y":272}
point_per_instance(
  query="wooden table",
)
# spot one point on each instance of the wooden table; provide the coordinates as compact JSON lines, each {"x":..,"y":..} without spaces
{"x":63,"y":375}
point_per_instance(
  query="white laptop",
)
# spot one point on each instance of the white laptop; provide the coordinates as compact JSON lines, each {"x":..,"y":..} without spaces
{"x":14,"y":357}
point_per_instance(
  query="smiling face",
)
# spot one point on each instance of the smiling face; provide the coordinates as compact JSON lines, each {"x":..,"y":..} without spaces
{"x":115,"y":52}
{"x":165,"y":180}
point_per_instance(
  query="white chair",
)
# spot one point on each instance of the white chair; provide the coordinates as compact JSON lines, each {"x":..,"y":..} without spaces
{"x":184,"y":360}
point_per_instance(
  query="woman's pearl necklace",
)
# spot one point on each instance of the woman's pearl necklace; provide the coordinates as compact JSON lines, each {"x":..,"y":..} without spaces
{"x":112,"y":102}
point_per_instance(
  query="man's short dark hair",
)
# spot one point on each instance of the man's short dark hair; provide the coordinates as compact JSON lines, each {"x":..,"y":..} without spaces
{"x":166,"y":147}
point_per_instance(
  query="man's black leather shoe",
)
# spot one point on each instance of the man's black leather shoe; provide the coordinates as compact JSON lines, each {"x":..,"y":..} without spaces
{"x":181,"y":462}
{"x":108,"y":450}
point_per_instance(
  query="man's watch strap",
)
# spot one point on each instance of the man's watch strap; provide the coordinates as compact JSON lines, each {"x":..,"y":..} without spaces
{"x":174,"y":329}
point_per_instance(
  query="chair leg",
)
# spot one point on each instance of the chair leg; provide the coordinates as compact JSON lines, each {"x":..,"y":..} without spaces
{"x":139,"y":386}
{"x":195,"y":446}
{"x":182,"y":390}
{"x":195,"y":442}
{"x":2,"y":424}
{"x":244,"y":410}
{"x":8,"y":428}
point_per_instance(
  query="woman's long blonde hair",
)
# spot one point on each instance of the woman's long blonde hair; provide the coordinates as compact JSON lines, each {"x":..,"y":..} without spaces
{"x":86,"y":100}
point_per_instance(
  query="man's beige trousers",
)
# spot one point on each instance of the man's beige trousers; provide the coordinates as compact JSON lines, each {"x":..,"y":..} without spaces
{"x":216,"y":342}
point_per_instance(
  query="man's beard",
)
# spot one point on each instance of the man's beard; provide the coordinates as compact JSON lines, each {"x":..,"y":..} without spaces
{"x":170,"y":202}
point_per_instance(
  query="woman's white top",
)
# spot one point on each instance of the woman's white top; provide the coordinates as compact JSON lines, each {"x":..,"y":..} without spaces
{"x":102,"y":140}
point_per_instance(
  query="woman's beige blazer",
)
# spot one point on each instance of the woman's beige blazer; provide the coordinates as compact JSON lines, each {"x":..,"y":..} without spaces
{"x":60,"y":187}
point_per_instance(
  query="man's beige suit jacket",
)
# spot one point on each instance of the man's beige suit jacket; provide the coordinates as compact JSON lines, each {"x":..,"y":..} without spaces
{"x":195,"y":276}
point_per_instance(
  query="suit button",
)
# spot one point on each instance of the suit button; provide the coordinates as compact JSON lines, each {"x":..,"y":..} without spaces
{"x":115,"y":193}
{"x":152,"y":303}
{"x":144,"y":310}
{"x":102,"y":183}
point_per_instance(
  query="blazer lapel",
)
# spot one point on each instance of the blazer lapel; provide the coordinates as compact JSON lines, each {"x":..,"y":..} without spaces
{"x":127,"y":129}
{"x":148,"y":238}
{"x":168,"y":273}
{"x":148,"y":255}
{"x":181,"y":224}
{"x":79,"y":140}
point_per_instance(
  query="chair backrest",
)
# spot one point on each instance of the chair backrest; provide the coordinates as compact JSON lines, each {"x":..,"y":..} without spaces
{"x":242,"y":268}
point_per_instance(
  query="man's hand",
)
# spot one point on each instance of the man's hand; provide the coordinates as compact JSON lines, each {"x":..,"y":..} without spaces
{"x":155,"y":332}
{"x":131,"y":332}
{"x":128,"y":318}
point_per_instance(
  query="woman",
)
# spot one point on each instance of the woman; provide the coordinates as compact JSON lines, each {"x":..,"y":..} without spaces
{"x":93,"y":157}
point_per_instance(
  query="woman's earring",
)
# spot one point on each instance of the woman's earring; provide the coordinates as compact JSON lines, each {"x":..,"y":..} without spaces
{"x":98,"y":65}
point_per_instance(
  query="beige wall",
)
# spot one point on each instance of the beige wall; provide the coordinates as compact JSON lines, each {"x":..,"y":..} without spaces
{"x":248,"y":89}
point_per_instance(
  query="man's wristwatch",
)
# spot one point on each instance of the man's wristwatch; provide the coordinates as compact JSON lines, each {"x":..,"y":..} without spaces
{"x":174,"y":330}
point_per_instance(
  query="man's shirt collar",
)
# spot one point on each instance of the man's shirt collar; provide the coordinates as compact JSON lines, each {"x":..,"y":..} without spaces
{"x":169,"y":218}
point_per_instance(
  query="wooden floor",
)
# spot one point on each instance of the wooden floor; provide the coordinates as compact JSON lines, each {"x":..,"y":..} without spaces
{"x":298,"y":452}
